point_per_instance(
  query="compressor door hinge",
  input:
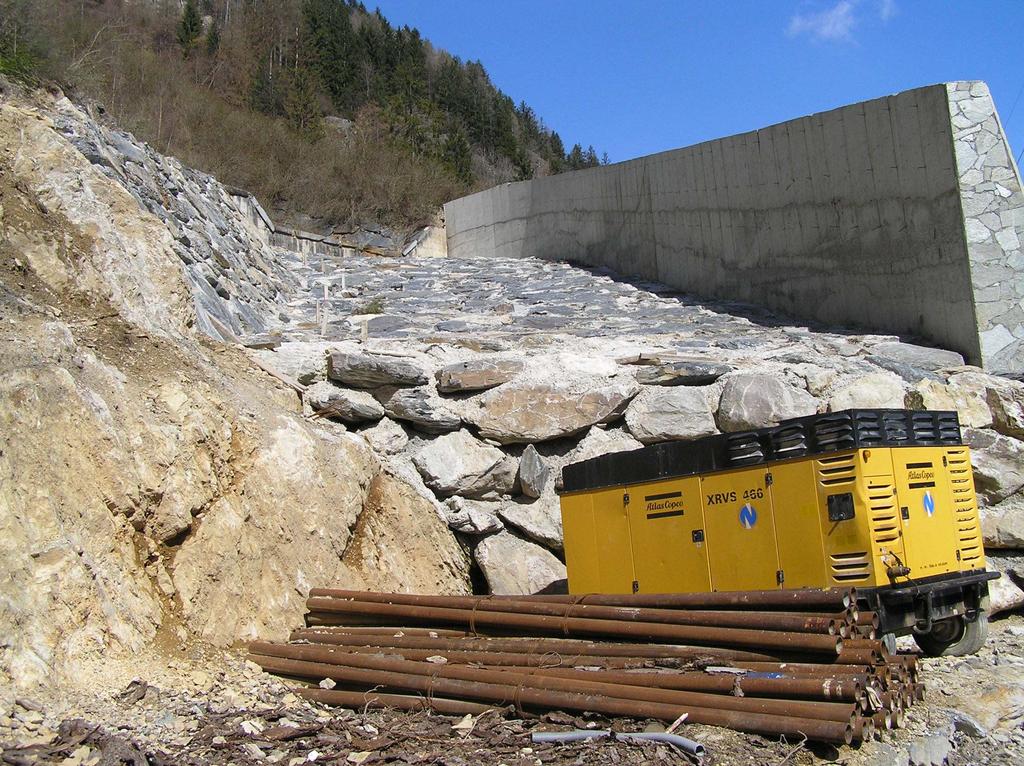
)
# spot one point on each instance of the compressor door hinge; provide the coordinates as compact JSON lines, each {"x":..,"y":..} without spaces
{"x":625,"y":499}
{"x":768,"y":479}
{"x":636,"y":586}
{"x":780,"y":577}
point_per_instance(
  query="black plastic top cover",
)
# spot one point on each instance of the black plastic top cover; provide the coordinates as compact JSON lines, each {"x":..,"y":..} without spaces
{"x":799,"y":437}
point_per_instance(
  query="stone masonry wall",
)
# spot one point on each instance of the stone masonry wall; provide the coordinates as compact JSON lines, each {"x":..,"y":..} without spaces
{"x":851,"y":217}
{"x":993,"y":211}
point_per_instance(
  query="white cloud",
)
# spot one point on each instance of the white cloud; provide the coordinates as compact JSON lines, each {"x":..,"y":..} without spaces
{"x":887,"y":9}
{"x":834,"y":23}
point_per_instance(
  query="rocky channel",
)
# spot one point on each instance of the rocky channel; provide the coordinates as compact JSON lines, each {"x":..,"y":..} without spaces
{"x":200,"y":426}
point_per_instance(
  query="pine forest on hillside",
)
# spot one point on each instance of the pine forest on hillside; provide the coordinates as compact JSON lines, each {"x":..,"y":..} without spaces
{"x":322,"y":108}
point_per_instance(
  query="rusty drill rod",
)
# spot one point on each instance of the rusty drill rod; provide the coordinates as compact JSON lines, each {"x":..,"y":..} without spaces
{"x":821,"y":624}
{"x":825,"y":690}
{"x":806,"y":669}
{"x":528,"y":645}
{"x":784,"y":621}
{"x":514,"y":694}
{"x":869,"y":644}
{"x":861,"y":656}
{"x":492,"y":658}
{"x":742,"y":638}
{"x":831,"y":711}
{"x":867,"y":619}
{"x":361,"y":700}
{"x":375,"y":631}
{"x":802,"y":600}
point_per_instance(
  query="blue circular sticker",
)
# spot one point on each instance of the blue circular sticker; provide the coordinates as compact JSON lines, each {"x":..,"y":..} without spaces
{"x":748,"y":516}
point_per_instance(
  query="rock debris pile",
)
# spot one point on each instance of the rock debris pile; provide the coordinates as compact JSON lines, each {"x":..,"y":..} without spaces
{"x":477,"y":380}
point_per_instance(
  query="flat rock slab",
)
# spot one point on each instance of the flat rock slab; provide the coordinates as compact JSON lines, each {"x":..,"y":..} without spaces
{"x":664,"y":414}
{"x":365,"y":370}
{"x":681,"y":373}
{"x":753,"y":400}
{"x":515,"y":566}
{"x":524,"y":412}
{"x":477,"y":375}
{"x":922,"y":357}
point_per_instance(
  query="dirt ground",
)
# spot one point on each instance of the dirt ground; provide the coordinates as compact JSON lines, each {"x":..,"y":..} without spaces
{"x":184,"y":703}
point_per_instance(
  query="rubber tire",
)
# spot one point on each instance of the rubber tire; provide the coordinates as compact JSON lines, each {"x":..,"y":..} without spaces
{"x":954,"y":640}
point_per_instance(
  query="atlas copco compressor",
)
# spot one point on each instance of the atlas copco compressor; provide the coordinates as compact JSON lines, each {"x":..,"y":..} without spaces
{"x":879,"y":500}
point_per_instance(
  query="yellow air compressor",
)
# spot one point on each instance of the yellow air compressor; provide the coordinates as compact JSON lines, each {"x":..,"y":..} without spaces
{"x":879,"y":500}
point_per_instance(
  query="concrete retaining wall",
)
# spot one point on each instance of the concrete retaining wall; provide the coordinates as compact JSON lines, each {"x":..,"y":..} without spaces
{"x":302,"y":242}
{"x":853,"y":217}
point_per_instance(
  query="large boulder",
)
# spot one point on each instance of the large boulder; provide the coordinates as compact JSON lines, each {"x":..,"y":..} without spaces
{"x":681,"y":373}
{"x":969,"y":391}
{"x":524,"y":411}
{"x":459,"y":464}
{"x":534,"y":472}
{"x":387,"y":437}
{"x":998,"y":463}
{"x":476,"y":374}
{"x":602,"y":441}
{"x":515,"y":566}
{"x":366,"y":370}
{"x":1006,"y":401}
{"x":345,"y":404}
{"x":540,"y":520}
{"x":920,"y":357}
{"x":877,"y":390}
{"x":1003,"y":524}
{"x":756,"y":400}
{"x":420,"y":407}
{"x":303,"y":361}
{"x":1006,"y":593}
{"x":665,"y":414}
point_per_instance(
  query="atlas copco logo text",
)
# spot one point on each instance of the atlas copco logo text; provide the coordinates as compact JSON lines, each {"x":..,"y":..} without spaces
{"x":664,"y":505}
{"x":921,"y":475}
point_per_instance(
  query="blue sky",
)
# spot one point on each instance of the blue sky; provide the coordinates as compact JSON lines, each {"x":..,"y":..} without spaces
{"x":641,"y":76}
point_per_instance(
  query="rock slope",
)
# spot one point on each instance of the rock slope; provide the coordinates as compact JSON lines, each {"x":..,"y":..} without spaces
{"x":150,"y":476}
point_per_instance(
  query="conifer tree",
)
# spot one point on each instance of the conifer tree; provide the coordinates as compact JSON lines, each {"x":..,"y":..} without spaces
{"x":189,"y":28}
{"x":212,"y":39}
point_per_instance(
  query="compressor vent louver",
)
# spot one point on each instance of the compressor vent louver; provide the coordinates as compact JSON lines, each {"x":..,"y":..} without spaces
{"x":812,"y":435}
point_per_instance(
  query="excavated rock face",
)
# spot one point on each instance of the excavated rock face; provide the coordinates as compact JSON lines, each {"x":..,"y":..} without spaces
{"x":147,"y":471}
{"x":282,"y":529}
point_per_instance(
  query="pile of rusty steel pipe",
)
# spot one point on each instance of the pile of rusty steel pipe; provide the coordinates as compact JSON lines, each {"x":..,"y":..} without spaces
{"x":776,"y":663}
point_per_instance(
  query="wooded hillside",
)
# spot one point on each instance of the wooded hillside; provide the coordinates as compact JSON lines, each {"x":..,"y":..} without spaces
{"x":320,"y":107}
